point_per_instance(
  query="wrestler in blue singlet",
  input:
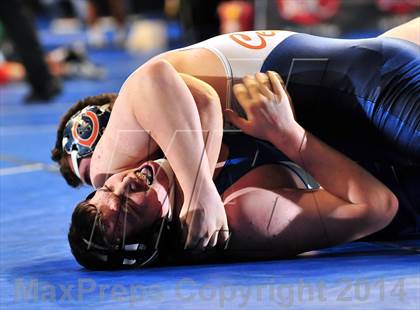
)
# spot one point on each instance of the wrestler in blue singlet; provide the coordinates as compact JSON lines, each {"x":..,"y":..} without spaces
{"x":247,"y":153}
{"x":362,"y":97}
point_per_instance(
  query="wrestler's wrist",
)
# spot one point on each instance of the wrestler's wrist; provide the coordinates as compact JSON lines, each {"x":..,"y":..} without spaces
{"x":289,"y":141}
{"x":203,"y":190}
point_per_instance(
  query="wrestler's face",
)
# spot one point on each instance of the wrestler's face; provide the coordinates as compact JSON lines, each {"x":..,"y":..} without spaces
{"x":84,"y":168}
{"x":132,"y":200}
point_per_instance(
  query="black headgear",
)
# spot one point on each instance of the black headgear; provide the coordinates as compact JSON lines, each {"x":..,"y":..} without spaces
{"x":147,"y":247}
{"x":144,"y":252}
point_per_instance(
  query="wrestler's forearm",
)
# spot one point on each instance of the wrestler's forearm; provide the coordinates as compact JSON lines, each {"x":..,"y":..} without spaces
{"x":335,"y":172}
{"x":163,"y":104}
{"x":211,"y":118}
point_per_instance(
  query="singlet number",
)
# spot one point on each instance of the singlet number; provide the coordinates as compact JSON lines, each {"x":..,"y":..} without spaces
{"x":241,"y":39}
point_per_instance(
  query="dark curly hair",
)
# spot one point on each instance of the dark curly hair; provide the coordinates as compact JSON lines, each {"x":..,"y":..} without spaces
{"x":57,"y":153}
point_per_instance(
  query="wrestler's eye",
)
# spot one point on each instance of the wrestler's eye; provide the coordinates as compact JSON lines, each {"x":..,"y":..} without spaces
{"x":146,"y":174}
{"x":104,"y":188}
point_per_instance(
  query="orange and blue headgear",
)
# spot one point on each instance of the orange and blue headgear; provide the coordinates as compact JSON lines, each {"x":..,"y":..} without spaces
{"x":83,"y":131}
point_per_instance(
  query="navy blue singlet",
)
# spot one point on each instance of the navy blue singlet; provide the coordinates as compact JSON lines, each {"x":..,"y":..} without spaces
{"x":360,"y":96}
{"x":247,"y":153}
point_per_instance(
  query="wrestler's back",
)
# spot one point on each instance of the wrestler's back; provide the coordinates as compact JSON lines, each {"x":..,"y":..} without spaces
{"x":331,"y":81}
{"x":216,"y":61}
{"x":202,"y":64}
{"x":225,"y":59}
{"x":335,"y":83}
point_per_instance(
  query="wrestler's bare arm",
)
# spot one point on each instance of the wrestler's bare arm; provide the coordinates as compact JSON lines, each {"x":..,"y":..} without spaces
{"x":351,"y":202}
{"x":126,"y":143}
{"x":162,"y":103}
{"x":292,"y":221}
{"x":409,"y":31}
{"x":211,"y":118}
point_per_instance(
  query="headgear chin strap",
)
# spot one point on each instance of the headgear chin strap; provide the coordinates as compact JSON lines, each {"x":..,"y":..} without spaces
{"x":147,"y":249}
{"x":140,"y":254}
{"x":74,"y":157}
{"x":83,"y":131}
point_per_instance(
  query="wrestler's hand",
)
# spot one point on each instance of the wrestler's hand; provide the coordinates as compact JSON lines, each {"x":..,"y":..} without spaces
{"x":269,"y":111}
{"x":204,"y":221}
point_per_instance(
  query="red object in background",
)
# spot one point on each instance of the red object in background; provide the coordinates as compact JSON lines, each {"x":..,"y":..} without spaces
{"x":398,"y":6}
{"x":11,"y":72}
{"x":4,"y":77}
{"x":307,"y":12}
{"x":236,"y":16}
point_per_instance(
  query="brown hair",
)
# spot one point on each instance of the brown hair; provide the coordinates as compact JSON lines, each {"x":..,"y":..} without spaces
{"x":57,"y":153}
{"x":85,"y":215}
{"x":82,"y":231}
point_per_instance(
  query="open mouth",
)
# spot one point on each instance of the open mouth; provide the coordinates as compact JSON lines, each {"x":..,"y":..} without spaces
{"x":145,"y":174}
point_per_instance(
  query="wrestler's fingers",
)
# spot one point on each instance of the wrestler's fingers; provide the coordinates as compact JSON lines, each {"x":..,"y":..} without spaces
{"x":189,"y":242}
{"x":201,"y":244}
{"x":194,"y":241}
{"x":276,"y":83}
{"x":236,"y":120}
{"x":213,"y":240}
{"x":191,"y":237}
{"x":184,"y":229}
{"x":252,"y":86}
{"x":264,"y":84}
{"x":263,"y":78}
{"x":241,"y":94}
{"x":224,"y":235}
{"x":279,"y":78}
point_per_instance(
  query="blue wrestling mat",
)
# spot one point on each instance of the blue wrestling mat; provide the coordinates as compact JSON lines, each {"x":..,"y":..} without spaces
{"x":39,"y":272}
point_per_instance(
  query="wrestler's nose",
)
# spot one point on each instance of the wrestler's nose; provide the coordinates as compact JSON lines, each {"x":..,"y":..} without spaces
{"x":122,"y":187}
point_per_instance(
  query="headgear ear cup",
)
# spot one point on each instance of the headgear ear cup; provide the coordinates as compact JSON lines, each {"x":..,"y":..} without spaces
{"x":83,"y":131}
{"x":75,"y":163}
{"x":143,"y":253}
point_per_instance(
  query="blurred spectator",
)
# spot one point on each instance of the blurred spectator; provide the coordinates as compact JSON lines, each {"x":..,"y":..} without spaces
{"x":236,"y":16}
{"x":73,"y":63}
{"x":64,"y":62}
{"x":19,"y":28}
{"x":200,"y":19}
{"x":116,"y":9}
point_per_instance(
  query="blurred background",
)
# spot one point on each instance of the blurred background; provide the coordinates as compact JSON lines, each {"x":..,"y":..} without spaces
{"x":55,"y":52}
{"x":46,"y":42}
